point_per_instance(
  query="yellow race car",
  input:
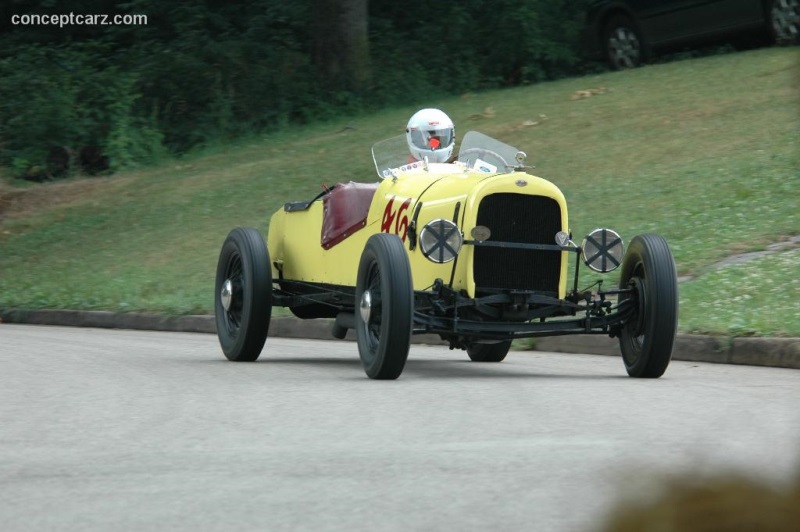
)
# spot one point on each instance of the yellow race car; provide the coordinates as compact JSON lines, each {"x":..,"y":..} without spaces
{"x":475,"y":250}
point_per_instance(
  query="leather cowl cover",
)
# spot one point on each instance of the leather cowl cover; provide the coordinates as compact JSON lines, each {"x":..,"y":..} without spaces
{"x":344,"y":211}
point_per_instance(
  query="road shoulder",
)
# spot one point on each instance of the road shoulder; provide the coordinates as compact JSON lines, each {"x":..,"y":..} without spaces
{"x":754,"y":351}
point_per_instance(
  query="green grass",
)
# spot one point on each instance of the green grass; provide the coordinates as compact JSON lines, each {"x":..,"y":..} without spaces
{"x":705,"y":152}
{"x":741,"y":300}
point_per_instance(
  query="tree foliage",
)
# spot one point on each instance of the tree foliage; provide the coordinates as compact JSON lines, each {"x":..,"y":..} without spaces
{"x":208,"y":71}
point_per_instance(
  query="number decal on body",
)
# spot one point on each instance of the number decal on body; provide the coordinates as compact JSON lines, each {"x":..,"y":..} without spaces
{"x":396,"y":221}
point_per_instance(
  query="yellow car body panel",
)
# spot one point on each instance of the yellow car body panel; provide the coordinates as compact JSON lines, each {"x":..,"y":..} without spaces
{"x":294,"y":239}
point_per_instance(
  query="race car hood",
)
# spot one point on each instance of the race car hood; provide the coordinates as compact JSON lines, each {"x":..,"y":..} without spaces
{"x":425,"y":196}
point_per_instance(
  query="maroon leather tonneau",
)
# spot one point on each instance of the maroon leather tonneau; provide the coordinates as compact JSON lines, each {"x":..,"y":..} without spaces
{"x":344,"y":211}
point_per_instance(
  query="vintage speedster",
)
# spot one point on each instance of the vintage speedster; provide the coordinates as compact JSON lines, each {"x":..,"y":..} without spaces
{"x":476,"y":251}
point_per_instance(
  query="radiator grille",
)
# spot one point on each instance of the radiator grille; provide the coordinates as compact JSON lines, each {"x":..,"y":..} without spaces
{"x":523,"y":219}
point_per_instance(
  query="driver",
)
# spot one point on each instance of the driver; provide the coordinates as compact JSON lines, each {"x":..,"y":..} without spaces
{"x":431,"y":133}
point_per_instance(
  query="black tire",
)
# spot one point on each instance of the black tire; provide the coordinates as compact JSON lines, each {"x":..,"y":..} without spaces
{"x":489,"y":352}
{"x":385,"y":307}
{"x":783,"y":17}
{"x":647,"y":338}
{"x":623,"y":44}
{"x":243,"y":318}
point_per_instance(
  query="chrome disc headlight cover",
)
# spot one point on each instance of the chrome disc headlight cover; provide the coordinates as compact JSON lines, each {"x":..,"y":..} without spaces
{"x":602,"y":250}
{"x":440,"y":241}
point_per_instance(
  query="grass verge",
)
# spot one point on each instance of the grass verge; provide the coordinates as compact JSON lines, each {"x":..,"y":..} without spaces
{"x":702,"y":151}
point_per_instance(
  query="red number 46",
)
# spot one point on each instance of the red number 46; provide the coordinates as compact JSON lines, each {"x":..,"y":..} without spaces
{"x":396,"y":221}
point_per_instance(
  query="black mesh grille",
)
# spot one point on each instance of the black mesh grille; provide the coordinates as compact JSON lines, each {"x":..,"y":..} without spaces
{"x":523,"y":219}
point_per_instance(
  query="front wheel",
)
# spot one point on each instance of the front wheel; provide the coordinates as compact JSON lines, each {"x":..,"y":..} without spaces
{"x":243,"y":295}
{"x":646,"y":338}
{"x":489,"y":352}
{"x":385,"y":313}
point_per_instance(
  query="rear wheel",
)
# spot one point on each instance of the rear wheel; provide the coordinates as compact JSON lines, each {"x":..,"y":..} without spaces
{"x":385,"y":299}
{"x":623,"y":43}
{"x":646,"y":338}
{"x":243,"y":295}
{"x":489,"y":352}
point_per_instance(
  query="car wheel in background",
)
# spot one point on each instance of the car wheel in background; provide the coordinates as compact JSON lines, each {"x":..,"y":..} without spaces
{"x":384,"y":306}
{"x":784,"y":21}
{"x":623,"y":44}
{"x":243,"y":295}
{"x":489,"y":352}
{"x":647,"y":338}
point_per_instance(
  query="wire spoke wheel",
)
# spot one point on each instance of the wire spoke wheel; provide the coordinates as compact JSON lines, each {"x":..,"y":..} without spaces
{"x":374,"y":322}
{"x":232,"y":315}
{"x":647,"y":337}
{"x":243,"y":295}
{"x":385,"y":307}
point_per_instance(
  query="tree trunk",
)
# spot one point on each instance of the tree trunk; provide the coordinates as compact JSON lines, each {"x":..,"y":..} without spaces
{"x":341,"y":43}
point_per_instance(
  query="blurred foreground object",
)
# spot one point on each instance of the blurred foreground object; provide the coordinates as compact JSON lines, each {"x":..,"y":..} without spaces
{"x":721,"y":504}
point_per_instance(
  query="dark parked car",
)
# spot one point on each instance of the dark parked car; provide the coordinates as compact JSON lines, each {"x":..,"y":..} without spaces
{"x":626,"y":32}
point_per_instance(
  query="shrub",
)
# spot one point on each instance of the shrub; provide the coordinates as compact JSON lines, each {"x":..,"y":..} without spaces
{"x":64,"y":100}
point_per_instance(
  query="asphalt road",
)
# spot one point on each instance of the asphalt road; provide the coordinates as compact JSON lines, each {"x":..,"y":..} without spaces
{"x":128,"y":430}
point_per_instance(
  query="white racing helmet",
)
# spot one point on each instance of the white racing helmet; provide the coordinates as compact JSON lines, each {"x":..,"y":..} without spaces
{"x":431,"y":133}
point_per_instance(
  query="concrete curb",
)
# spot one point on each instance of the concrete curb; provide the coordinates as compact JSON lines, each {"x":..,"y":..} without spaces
{"x":754,"y":351}
{"x":751,"y":351}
